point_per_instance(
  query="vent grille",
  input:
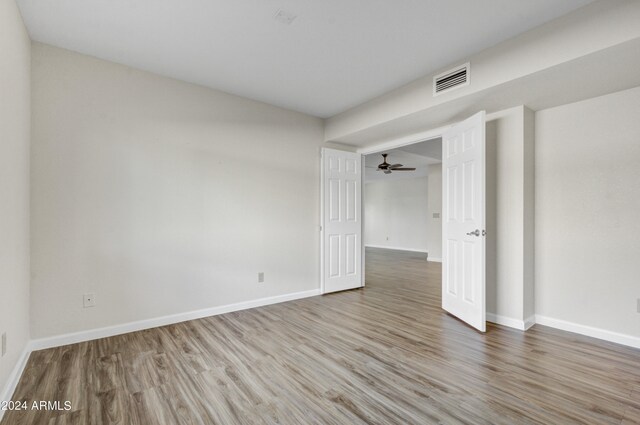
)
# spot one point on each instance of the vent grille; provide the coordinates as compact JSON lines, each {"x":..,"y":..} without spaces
{"x":451,"y":79}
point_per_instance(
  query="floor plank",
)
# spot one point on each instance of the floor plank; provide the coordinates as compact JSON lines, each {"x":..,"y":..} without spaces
{"x":385,"y":354}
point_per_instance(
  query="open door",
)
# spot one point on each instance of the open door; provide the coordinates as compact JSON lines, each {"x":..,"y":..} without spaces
{"x":463,"y":224}
{"x":341,"y":221}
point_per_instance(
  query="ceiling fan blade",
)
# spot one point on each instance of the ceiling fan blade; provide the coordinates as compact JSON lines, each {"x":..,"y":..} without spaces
{"x":387,"y":171}
{"x":404,"y":169}
{"x":395,"y":165}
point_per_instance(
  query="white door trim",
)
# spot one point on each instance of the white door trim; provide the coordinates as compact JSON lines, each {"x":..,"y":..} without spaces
{"x":411,"y":139}
{"x":362,"y":247}
{"x":321,"y":224}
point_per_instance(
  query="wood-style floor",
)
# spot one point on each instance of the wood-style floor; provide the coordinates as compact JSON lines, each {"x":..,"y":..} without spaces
{"x":386,"y":354}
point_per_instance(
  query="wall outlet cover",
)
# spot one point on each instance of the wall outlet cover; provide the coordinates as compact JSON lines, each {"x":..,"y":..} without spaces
{"x":4,"y":344}
{"x":261,"y":277}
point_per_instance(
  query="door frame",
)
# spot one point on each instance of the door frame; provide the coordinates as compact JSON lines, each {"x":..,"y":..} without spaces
{"x":399,"y":142}
{"x":382,"y":147}
{"x":411,"y":139}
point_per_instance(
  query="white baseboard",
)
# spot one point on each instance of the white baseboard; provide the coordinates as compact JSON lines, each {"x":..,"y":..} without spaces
{"x":72,"y":338}
{"x":529,"y":321}
{"x":396,"y":248}
{"x":434,"y":259}
{"x":506,"y":321}
{"x":14,"y":377}
{"x":619,"y":338}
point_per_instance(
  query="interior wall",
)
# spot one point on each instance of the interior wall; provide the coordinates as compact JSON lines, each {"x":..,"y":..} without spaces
{"x":528,"y":194}
{"x":162,"y":197}
{"x":587,"y":203}
{"x":396,"y":214}
{"x":15,"y":126}
{"x":509,"y":187}
{"x":434,"y":206}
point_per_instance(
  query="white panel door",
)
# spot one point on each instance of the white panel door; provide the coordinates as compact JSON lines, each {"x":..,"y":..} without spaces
{"x":463,"y":224}
{"x":342,"y":221}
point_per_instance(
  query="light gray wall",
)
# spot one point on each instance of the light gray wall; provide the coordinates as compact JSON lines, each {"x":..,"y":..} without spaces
{"x":509,"y":185}
{"x":162,"y":197}
{"x":434,"y":205}
{"x":15,"y":125}
{"x":396,"y":214}
{"x":529,"y":213}
{"x":587,"y":208}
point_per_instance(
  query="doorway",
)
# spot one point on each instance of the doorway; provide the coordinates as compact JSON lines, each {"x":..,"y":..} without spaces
{"x":462,"y":150}
{"x":402,"y":206}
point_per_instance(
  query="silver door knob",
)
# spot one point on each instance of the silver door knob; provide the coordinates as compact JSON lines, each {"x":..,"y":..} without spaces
{"x":474,"y":233}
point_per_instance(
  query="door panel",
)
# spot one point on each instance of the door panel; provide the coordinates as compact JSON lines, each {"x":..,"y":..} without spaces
{"x":334,"y":256}
{"x":351,"y":194}
{"x":351,"y":261}
{"x":463,"y":271}
{"x":334,"y":200}
{"x":342,"y":221}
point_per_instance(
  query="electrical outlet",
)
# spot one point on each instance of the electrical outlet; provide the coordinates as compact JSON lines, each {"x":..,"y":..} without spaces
{"x":4,"y":344}
{"x":89,"y":300}
{"x":436,"y":215}
{"x":638,"y":306}
{"x":261,"y":277}
{"x":387,"y":237}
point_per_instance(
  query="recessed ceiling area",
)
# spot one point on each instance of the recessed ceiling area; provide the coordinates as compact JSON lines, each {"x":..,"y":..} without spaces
{"x":418,"y":155}
{"x":316,"y":57}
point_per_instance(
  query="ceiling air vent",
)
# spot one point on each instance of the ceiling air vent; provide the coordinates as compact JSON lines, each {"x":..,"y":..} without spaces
{"x":452,"y":79}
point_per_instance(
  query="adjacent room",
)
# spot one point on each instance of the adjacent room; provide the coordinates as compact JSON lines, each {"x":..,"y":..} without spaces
{"x":403,"y":197}
{"x":335,"y":212}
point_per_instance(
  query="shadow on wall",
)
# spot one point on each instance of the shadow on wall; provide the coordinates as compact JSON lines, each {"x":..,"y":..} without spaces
{"x":491,"y":223}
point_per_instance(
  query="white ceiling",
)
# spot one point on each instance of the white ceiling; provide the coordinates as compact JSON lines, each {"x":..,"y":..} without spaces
{"x":419,"y":156}
{"x":334,"y":55}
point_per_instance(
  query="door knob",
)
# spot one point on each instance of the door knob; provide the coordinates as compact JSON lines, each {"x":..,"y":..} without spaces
{"x":474,"y":233}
